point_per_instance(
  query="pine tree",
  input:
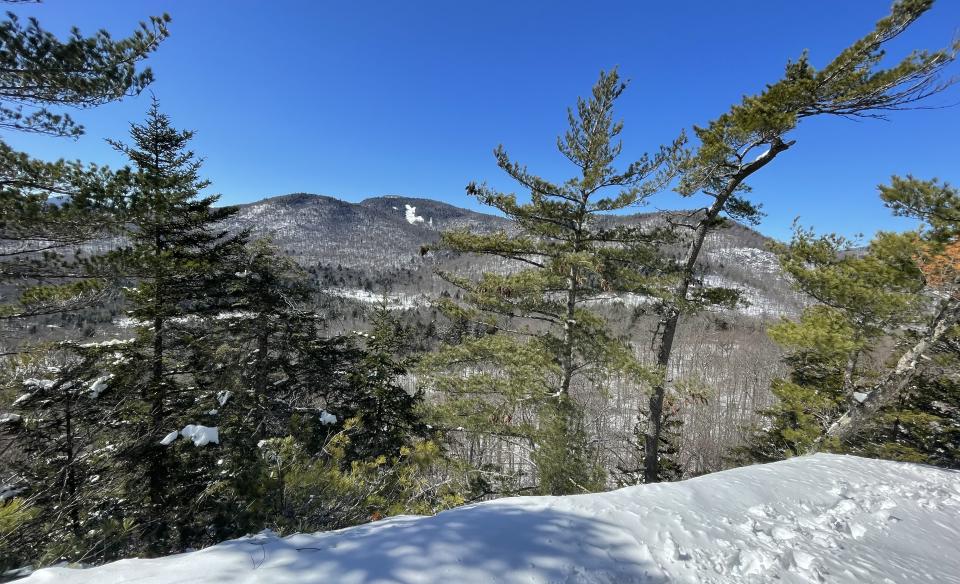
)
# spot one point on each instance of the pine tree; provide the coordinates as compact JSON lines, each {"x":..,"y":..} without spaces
{"x":922,"y":424}
{"x":562,"y":255}
{"x":860,"y":300}
{"x":46,"y":209}
{"x":747,"y":138}
{"x":50,"y":208}
{"x":864,"y":303}
{"x":936,"y":205}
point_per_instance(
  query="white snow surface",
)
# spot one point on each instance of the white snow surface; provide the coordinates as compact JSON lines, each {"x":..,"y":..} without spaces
{"x":822,"y":518}
{"x":201,"y":435}
{"x":98,"y":385}
{"x":399,"y":301}
{"x":169,"y":438}
{"x":410,"y":212}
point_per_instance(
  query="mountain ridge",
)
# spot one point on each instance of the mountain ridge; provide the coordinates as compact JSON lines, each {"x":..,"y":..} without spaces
{"x":376,"y":245}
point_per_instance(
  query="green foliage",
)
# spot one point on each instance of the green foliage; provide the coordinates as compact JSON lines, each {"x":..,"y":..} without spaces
{"x":564,"y":461}
{"x":923,"y":425}
{"x":876,"y":289}
{"x":314,"y":492}
{"x":853,"y":84}
{"x":391,"y":417}
{"x":861,"y":297}
{"x":179,"y":264}
{"x":753,"y":133}
{"x":265,"y":377}
{"x":934,"y":202}
{"x":865,"y":301}
{"x":40,"y":69}
{"x":41,"y":73}
{"x":15,"y":513}
{"x":546,"y":340}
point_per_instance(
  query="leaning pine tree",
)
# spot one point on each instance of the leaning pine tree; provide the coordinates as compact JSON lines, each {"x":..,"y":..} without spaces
{"x":752,"y":134}
{"x":874,"y":360}
{"x":937,"y":206}
{"x":859,"y":303}
{"x":546,"y":347}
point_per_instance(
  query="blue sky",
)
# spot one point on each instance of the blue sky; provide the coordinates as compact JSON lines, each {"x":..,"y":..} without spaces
{"x":362,"y":98}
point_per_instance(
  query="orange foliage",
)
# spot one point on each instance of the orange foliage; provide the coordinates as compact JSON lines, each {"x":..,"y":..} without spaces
{"x":942,"y":267}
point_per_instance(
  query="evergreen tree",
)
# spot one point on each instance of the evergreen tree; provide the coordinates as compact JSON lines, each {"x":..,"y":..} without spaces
{"x":860,"y":300}
{"x":305,"y":419}
{"x":390,"y":418}
{"x":747,"y":138}
{"x":865,"y":302}
{"x":56,"y":426}
{"x":936,"y":205}
{"x":251,"y":347}
{"x":180,"y":262}
{"x":562,"y":255}
{"x":49,"y":208}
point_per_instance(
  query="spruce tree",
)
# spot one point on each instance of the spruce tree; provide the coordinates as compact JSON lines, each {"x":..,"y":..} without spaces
{"x":180,"y":262}
{"x":272,"y":379}
{"x":561,"y":255}
{"x":305,"y":418}
{"x":390,"y":418}
{"x":752,"y":134}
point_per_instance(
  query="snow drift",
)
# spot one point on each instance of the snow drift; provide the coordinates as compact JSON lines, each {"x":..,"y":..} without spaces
{"x":824,"y":518}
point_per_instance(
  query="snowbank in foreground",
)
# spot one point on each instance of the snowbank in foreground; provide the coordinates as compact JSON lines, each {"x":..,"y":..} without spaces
{"x":825,"y":518}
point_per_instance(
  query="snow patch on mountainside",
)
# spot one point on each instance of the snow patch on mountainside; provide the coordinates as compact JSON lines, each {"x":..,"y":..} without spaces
{"x":823,"y":518}
{"x":394,"y":301}
{"x":410,"y":212}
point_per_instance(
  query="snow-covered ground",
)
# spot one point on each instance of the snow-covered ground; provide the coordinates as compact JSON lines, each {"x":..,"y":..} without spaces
{"x":824,"y":518}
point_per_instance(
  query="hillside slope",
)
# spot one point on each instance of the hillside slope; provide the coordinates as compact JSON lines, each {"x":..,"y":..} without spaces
{"x":824,"y":518}
{"x":379,"y":241}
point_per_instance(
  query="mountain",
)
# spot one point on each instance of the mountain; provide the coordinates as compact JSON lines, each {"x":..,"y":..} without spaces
{"x":822,"y":518}
{"x":376,"y":234}
{"x":377,"y":245}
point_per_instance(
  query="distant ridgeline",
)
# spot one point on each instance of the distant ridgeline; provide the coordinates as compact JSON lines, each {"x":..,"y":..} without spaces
{"x":377,"y":247}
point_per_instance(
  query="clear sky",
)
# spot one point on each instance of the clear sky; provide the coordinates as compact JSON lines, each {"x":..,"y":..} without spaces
{"x":361,"y":98}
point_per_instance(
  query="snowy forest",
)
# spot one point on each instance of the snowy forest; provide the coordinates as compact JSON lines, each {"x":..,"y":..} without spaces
{"x":177,"y":372}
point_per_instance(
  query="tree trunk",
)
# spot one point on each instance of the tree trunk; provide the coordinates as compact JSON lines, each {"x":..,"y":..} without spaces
{"x":894,"y":384}
{"x":156,"y":469}
{"x":262,"y":372}
{"x":71,"y":485}
{"x":669,"y":322}
{"x":568,"y":329}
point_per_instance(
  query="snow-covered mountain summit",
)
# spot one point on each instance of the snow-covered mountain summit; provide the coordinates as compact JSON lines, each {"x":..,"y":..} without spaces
{"x":823,"y":518}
